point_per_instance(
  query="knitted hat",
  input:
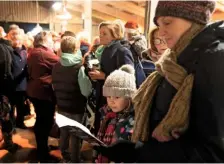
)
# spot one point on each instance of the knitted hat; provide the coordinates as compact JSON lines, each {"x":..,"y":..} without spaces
{"x":195,"y":11}
{"x":131,"y":27}
{"x":120,"y":83}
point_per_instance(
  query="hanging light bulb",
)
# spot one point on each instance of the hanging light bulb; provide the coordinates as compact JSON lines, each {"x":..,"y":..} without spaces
{"x":65,"y":15}
{"x":57,"y":6}
{"x":36,"y":30}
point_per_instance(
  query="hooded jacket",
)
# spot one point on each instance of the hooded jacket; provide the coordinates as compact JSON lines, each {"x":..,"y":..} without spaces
{"x":71,"y":84}
{"x":68,"y":60}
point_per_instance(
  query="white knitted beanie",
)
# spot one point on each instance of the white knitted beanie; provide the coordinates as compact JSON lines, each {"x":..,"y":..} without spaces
{"x":120,"y":83}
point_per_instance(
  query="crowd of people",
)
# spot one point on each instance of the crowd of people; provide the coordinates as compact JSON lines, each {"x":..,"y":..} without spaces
{"x":161,"y":103}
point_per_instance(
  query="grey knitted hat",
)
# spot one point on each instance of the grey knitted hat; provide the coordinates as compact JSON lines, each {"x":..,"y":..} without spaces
{"x":120,"y":83}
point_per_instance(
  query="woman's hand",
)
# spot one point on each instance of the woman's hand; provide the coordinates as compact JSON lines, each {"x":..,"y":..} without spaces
{"x":175,"y":134}
{"x":97,"y":75}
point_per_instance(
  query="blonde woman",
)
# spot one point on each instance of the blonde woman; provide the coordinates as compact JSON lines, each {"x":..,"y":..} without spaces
{"x":113,"y":57}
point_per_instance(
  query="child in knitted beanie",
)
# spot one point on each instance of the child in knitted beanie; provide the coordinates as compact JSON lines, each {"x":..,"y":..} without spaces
{"x":117,"y":117}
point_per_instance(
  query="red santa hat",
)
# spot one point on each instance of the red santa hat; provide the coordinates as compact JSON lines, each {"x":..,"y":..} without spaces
{"x":131,"y":27}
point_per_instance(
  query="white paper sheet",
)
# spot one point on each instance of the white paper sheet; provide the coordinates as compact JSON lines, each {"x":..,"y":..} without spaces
{"x":65,"y":121}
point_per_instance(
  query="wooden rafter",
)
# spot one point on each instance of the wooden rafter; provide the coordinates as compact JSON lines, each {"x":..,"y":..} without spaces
{"x":101,"y":16}
{"x":127,"y":6}
{"x":116,"y":13}
{"x":95,"y":14}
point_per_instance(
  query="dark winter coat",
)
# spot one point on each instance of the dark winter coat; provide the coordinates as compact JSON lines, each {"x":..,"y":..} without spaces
{"x":19,"y":68}
{"x":6,"y":78}
{"x":113,"y":57}
{"x":40,"y":65}
{"x":204,"y":140}
{"x":69,"y":97}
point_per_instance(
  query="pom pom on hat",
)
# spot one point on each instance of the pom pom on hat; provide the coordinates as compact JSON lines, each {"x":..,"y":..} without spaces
{"x":128,"y":68}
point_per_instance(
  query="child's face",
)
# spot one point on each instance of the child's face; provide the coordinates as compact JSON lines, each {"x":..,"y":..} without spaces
{"x":117,"y":104}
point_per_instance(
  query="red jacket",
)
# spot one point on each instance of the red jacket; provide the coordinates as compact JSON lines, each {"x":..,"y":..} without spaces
{"x":40,"y":64}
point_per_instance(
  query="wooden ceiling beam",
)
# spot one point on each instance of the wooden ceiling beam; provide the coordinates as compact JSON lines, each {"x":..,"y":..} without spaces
{"x":116,"y":13}
{"x":77,"y":8}
{"x":95,"y":14}
{"x":127,"y":6}
{"x":101,"y":16}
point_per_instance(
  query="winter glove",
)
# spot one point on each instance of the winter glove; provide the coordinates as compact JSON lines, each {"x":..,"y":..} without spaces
{"x":120,"y":151}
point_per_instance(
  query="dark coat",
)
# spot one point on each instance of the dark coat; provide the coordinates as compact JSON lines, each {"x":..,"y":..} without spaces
{"x":68,"y":94}
{"x":6,"y":78}
{"x":40,"y":65}
{"x":114,"y":56}
{"x":203,"y":142}
{"x":19,"y":68}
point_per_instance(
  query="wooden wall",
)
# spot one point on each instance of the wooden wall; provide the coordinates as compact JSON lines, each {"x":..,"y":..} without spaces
{"x":23,"y":11}
{"x":26,"y":11}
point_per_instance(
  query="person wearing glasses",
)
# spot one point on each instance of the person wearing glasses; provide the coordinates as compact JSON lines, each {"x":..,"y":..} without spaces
{"x":158,"y":46}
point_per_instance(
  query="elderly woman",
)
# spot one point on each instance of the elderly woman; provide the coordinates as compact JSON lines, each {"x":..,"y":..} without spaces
{"x":179,"y":108}
{"x":114,"y":55}
{"x":158,"y":46}
{"x":39,"y":89}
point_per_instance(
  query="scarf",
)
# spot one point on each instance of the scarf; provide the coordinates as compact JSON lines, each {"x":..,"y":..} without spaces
{"x":177,"y":117}
{"x":99,"y":51}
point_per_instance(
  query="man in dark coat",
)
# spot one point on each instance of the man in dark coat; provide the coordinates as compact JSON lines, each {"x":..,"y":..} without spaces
{"x":19,"y":72}
{"x":181,"y":125}
{"x":6,"y":80}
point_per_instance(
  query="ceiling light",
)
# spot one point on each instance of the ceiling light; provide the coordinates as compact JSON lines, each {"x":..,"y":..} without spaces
{"x":57,"y":6}
{"x":65,"y":15}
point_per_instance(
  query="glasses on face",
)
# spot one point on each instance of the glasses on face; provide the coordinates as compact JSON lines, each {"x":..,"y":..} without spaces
{"x":158,"y":41}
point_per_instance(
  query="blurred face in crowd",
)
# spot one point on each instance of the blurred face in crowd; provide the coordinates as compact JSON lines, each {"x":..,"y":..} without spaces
{"x":128,"y":36}
{"x":117,"y":104}
{"x":15,"y":37}
{"x":172,"y":29}
{"x":105,"y":35}
{"x":49,"y":41}
{"x":27,"y":41}
{"x":159,"y":43}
